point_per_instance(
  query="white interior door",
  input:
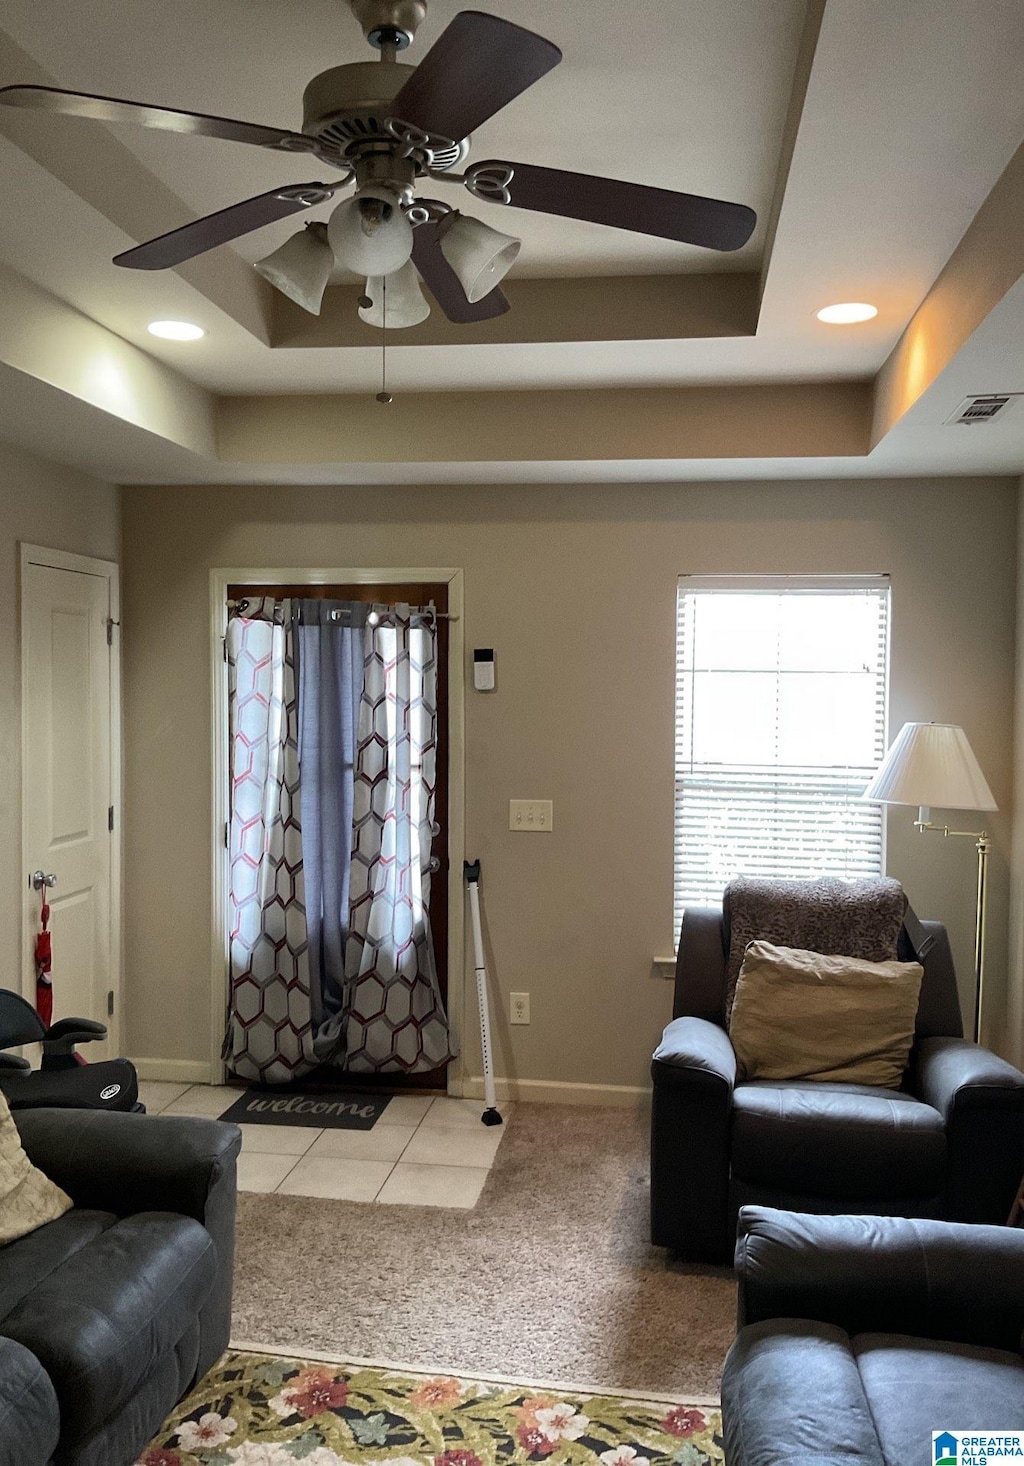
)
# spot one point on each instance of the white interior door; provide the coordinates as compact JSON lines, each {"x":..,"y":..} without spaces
{"x":68,"y":783}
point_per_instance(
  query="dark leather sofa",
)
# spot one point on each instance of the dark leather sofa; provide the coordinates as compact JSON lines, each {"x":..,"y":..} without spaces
{"x":111,"y":1313}
{"x":949,"y":1144}
{"x":860,"y":1336}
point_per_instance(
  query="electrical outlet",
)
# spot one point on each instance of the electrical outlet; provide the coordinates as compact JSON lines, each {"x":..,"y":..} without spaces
{"x":519,"y":1007}
{"x":530,"y":814}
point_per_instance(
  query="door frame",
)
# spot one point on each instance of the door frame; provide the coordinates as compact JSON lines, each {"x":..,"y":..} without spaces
{"x":220,"y":579}
{"x":109,"y":571}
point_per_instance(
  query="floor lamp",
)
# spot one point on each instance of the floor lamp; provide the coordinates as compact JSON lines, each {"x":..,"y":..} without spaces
{"x":933,"y":765}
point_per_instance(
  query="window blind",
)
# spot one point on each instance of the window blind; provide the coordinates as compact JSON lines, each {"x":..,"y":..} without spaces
{"x":781,"y":687}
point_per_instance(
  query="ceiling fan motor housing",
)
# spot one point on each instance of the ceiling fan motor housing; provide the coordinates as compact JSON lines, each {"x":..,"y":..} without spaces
{"x":348,"y":107}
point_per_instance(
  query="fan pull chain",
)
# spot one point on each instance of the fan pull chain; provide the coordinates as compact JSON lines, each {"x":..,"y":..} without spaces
{"x":384,"y":395}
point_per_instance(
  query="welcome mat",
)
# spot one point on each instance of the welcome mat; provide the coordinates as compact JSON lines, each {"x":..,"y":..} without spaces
{"x":261,"y":1410}
{"x":318,"y":1111}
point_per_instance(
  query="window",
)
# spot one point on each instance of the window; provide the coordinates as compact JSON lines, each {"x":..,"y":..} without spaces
{"x":780,"y":723}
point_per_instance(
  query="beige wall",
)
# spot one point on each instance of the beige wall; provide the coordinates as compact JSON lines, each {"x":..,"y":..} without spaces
{"x":42,"y":504}
{"x":574,"y":588}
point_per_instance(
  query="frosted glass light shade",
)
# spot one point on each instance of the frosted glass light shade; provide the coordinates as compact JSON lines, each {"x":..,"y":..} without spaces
{"x":480,"y":256}
{"x":931,"y":764}
{"x":405,"y":305}
{"x":302,"y":267}
{"x":369,"y":233}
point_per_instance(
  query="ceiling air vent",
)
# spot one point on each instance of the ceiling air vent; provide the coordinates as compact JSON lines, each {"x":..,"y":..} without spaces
{"x":983,"y":409}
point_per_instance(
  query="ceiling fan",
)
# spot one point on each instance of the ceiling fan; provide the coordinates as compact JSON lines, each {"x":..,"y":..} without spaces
{"x":386,"y":127}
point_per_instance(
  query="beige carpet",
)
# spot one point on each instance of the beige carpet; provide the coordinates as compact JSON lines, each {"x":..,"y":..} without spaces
{"x":550,"y":1277}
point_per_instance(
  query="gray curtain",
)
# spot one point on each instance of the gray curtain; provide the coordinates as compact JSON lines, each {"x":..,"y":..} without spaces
{"x":330,"y":654}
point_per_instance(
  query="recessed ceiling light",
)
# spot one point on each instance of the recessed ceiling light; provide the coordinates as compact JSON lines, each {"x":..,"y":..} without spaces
{"x":848,"y":313}
{"x":175,"y":330}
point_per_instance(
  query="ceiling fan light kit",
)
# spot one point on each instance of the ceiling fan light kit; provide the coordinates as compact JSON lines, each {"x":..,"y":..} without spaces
{"x":302,"y":267}
{"x":480,"y":256}
{"x":386,"y":126}
{"x":403,"y":304}
{"x":369,"y":233}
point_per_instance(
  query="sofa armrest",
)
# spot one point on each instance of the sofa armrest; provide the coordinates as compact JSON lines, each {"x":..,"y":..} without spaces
{"x":127,"y":1163}
{"x":938,"y":1280}
{"x":981,"y":1099}
{"x":694,"y":1052}
{"x":953,"y":1074}
{"x":700,"y":965}
{"x":29,"y":1413}
{"x":694,"y":1071}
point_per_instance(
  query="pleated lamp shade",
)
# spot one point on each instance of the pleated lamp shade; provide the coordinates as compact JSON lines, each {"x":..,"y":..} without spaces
{"x":931,"y":764}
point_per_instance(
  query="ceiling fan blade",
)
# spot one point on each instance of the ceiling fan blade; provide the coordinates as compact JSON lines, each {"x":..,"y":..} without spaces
{"x":475,"y":67}
{"x":443,"y":282}
{"x":686,"y":217}
{"x":166,"y":119}
{"x":207,"y":233}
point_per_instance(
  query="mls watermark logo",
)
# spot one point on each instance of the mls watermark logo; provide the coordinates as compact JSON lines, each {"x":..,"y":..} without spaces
{"x":977,"y":1447}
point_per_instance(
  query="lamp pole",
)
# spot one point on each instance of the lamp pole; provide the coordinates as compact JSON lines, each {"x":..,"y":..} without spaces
{"x":925,"y":824}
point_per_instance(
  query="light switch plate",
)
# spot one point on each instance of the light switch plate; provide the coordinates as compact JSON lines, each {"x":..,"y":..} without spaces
{"x":530,"y":814}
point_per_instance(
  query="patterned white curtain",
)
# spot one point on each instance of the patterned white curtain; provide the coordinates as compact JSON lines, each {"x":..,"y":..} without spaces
{"x":395,"y":1018}
{"x":269,"y":1031}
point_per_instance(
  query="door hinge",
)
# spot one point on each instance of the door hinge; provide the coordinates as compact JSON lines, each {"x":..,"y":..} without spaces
{"x":110,"y":1003}
{"x":111,"y":623}
{"x":110,"y":818}
{"x":224,"y":647}
{"x":226,"y":838}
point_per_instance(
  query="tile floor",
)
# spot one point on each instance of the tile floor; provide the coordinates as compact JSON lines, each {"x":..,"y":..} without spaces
{"x":422,"y":1151}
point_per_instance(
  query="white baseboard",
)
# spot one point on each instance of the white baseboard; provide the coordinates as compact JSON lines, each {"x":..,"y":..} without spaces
{"x":179,"y":1071}
{"x":559,"y":1092}
{"x":528,"y":1091}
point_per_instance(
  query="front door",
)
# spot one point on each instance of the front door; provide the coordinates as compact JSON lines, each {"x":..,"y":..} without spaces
{"x":67,"y":782}
{"x":418,"y":594}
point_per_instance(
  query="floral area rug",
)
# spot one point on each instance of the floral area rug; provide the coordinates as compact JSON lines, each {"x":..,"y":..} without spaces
{"x":258,"y":1410}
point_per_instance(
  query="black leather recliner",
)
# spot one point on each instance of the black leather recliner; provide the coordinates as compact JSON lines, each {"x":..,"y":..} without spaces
{"x":861,"y":1336}
{"x":949,"y":1144}
{"x":111,"y":1313}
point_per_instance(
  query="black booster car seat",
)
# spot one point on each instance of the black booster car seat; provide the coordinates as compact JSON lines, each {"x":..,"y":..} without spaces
{"x":63,"y":1080}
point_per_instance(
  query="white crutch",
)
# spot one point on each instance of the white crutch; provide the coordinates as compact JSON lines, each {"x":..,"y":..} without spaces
{"x":471,"y":871}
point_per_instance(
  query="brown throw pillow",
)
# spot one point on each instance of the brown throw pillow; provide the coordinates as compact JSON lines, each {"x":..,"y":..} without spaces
{"x":801,"y":1015}
{"x":28,"y":1199}
{"x":860,"y":918}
